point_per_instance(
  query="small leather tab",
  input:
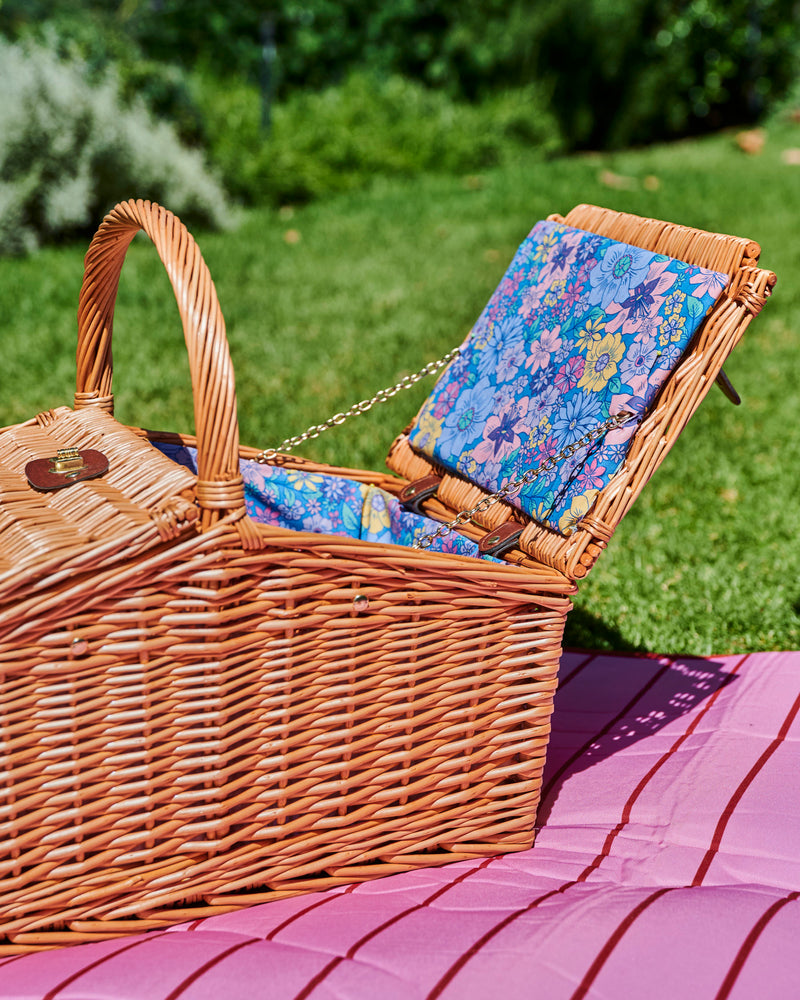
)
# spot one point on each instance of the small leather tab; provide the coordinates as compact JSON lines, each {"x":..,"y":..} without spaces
{"x":413,"y":495}
{"x":501,"y":539}
{"x":67,"y":467}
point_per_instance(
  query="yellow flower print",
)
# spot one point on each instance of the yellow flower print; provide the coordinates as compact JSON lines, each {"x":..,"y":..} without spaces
{"x":591,"y":332}
{"x":482,"y":336}
{"x":674,"y":302}
{"x":428,"y":426}
{"x":297,"y":477}
{"x":375,"y":517}
{"x":554,"y":293}
{"x":578,"y":510}
{"x":542,"y":249}
{"x":602,"y":357}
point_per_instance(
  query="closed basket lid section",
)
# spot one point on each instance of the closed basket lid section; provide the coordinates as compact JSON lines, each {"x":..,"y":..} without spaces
{"x":132,"y":499}
{"x":582,"y":328}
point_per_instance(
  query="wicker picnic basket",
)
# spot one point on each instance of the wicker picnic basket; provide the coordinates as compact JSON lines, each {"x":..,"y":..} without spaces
{"x":199,"y":712}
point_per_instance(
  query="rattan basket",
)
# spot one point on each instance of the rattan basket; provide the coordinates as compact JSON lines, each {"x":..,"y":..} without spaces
{"x":198,"y":712}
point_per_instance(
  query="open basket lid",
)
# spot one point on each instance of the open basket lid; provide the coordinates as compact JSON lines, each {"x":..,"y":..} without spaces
{"x":599,"y":316}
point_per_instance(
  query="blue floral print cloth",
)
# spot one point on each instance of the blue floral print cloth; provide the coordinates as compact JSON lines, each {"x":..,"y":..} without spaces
{"x":580,"y":328}
{"x":330,"y":505}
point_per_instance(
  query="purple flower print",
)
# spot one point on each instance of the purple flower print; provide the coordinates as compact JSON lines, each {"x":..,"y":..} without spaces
{"x":543,"y":403}
{"x":641,"y":300}
{"x":587,"y":248}
{"x":620,"y":271}
{"x":541,"y":380}
{"x":644,"y":302}
{"x":501,"y":435}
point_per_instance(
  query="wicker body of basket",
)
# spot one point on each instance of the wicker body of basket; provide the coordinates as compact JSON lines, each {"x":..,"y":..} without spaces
{"x":198,"y":712}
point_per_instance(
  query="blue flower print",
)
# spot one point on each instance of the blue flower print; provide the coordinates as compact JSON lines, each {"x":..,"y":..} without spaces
{"x":468,"y":416}
{"x":577,"y":415}
{"x":620,"y":271}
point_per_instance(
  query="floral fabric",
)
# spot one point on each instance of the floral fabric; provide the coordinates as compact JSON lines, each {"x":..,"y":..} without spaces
{"x":330,"y":505}
{"x":580,"y":328}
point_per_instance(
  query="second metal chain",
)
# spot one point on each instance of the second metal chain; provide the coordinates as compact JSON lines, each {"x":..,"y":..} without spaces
{"x":512,"y":488}
{"x":382,"y":396}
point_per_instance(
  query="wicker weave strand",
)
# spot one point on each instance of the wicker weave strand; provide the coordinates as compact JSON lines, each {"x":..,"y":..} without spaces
{"x":204,"y":331}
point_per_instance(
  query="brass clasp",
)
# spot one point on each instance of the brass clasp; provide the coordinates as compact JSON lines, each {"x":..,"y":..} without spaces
{"x":68,"y":462}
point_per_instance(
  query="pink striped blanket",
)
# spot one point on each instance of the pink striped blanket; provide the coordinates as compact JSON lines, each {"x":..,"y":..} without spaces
{"x":667,"y":864}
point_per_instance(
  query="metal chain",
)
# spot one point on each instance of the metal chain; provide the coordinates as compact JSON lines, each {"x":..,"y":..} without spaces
{"x":381,"y":396}
{"x":512,"y":488}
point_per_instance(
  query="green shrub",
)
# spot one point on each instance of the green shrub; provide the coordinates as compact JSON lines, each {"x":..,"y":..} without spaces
{"x":618,"y":72}
{"x":70,"y":149}
{"x":343,"y":137}
{"x":653,"y":69}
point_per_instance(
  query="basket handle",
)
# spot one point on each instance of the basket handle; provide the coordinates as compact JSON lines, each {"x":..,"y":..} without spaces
{"x":220,"y":490}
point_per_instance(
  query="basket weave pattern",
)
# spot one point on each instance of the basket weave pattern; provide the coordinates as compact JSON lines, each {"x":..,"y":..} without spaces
{"x":198,"y":712}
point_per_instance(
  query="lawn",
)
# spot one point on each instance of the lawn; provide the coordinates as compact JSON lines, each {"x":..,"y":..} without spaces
{"x":328,"y":303}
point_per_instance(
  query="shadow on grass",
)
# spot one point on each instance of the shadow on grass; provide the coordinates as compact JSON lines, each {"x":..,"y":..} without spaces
{"x":586,"y":631}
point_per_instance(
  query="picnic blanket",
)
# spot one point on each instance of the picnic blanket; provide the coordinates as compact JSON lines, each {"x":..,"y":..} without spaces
{"x":667,"y":863}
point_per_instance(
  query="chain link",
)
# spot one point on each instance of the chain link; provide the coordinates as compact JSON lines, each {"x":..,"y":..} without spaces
{"x":381,"y":396}
{"x":511,"y":489}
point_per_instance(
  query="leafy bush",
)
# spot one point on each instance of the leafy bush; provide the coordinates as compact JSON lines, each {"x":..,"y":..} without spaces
{"x":70,"y":149}
{"x":656,"y":69}
{"x":618,"y":72}
{"x":342,"y":137}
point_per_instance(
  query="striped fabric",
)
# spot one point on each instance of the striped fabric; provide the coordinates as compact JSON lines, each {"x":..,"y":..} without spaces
{"x":667,"y":864}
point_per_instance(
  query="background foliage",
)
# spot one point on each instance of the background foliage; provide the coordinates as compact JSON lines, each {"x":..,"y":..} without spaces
{"x":68,"y":150}
{"x":289,"y":100}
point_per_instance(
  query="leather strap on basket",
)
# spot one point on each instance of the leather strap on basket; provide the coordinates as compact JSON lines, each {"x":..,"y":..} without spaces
{"x":219,"y":485}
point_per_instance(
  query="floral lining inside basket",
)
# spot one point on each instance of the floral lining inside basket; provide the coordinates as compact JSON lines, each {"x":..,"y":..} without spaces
{"x":329,"y":505}
{"x":581,"y":329}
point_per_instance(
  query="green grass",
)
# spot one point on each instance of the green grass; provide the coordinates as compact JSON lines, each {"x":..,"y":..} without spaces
{"x":382,"y":281}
